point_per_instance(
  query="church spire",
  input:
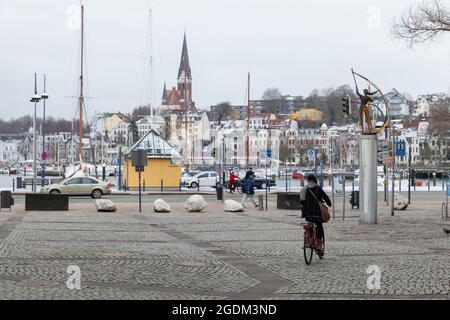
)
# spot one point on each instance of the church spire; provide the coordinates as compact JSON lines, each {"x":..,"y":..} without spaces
{"x":184,"y":63}
{"x":164,"y":95}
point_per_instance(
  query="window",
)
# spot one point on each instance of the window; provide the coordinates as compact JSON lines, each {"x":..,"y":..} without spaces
{"x":203,"y":175}
{"x":89,"y":181}
{"x":74,"y":181}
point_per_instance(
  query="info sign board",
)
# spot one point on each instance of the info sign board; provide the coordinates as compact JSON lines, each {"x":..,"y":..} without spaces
{"x":400,"y":148}
{"x":139,"y":160}
{"x":266,"y":154}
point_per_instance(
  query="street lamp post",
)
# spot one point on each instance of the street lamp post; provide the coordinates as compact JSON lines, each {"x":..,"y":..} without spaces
{"x":44,"y":97}
{"x":35,"y":99}
{"x":394,"y":141}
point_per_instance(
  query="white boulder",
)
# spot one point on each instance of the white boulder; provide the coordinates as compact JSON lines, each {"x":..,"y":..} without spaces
{"x":232,"y":206}
{"x":400,"y":203}
{"x":161,"y":206}
{"x":195,"y":203}
{"x":105,"y":205}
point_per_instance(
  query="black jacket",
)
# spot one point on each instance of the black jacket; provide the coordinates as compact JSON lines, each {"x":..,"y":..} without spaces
{"x":310,"y":207}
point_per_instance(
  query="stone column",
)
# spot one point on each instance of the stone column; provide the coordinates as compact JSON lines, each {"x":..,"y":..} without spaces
{"x":368,"y":179}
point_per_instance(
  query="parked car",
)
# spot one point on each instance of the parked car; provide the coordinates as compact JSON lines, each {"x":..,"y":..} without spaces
{"x":80,"y":186}
{"x":260,"y":182}
{"x":206,"y":179}
{"x":186,"y":175}
{"x":297,"y":174}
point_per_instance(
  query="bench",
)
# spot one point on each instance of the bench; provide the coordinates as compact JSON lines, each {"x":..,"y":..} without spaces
{"x":46,"y":202}
{"x":288,"y":200}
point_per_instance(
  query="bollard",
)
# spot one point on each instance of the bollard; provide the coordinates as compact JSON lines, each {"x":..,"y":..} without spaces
{"x":219,"y":191}
{"x":332,"y":196}
{"x":14,"y":185}
{"x":179,"y":189}
{"x":125,"y":184}
{"x":261,"y":202}
{"x":343,"y":193}
{"x":143,"y":185}
{"x":198,"y":185}
{"x":162,"y":185}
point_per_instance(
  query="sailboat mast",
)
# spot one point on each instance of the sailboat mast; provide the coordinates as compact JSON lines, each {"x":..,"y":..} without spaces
{"x":81,"y":98}
{"x":247,"y":146}
{"x":186,"y":117}
{"x":151,"y":68}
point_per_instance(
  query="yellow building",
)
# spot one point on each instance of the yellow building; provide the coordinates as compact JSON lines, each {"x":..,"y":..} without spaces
{"x":306,"y":114}
{"x":112,"y":120}
{"x":163,"y":164}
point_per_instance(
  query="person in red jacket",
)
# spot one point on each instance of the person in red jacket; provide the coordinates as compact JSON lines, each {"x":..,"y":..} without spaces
{"x":233,"y":178}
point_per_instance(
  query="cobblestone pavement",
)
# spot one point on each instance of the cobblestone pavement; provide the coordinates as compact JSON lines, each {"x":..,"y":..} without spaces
{"x":218,"y":255}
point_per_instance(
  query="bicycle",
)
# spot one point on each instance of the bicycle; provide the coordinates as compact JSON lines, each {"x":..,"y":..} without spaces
{"x":310,"y":242}
{"x":237,"y":187}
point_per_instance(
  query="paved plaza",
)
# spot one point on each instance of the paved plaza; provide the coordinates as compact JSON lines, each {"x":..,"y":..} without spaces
{"x":219,"y":255}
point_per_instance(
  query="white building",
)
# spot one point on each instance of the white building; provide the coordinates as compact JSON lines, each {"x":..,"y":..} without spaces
{"x":120,"y":133}
{"x":147,"y":123}
{"x":425,"y":102}
{"x":188,"y":135}
{"x":398,"y":105}
{"x":9,"y":152}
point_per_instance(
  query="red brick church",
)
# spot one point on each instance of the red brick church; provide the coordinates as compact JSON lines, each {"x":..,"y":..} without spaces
{"x":179,"y":99}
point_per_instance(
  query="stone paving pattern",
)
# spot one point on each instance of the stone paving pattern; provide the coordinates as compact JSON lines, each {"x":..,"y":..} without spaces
{"x":220,"y":255}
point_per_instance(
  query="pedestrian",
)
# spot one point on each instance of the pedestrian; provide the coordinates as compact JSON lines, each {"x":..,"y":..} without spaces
{"x":232,"y":183}
{"x":309,"y":197}
{"x":249,"y":173}
{"x":249,"y":190}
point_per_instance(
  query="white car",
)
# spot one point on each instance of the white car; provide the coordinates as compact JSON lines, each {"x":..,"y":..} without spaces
{"x":202,"y":179}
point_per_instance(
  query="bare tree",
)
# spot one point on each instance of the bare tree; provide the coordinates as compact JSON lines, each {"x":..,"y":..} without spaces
{"x":140,"y":112}
{"x":422,"y":23}
{"x":271,"y":100}
{"x":224,"y":110}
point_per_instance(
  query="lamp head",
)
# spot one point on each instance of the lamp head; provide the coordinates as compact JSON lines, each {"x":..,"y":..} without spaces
{"x":35,"y":98}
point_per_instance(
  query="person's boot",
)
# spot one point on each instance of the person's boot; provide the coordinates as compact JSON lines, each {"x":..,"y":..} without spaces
{"x":319,"y":247}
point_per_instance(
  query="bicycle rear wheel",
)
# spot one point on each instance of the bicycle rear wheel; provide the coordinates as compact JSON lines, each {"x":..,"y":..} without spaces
{"x":307,"y":250}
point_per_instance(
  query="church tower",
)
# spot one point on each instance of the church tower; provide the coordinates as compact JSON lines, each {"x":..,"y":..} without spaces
{"x":173,"y":99}
{"x":185,"y":78}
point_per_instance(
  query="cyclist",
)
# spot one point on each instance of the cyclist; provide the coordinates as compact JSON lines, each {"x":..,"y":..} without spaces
{"x":310,"y":207}
{"x":232,"y":182}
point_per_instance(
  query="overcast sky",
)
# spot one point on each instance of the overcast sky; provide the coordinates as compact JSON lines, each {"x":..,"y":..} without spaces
{"x":294,"y":45}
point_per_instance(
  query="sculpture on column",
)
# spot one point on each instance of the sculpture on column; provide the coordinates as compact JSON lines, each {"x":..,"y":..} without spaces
{"x":366,"y":99}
